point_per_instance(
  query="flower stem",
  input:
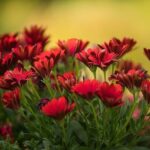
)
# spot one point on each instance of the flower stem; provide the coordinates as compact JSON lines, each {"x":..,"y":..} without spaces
{"x":105,"y":75}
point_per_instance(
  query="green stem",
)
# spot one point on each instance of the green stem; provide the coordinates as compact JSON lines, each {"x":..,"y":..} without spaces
{"x":105,"y":75}
{"x":62,"y":124}
{"x":94,"y":73}
{"x":94,"y":113}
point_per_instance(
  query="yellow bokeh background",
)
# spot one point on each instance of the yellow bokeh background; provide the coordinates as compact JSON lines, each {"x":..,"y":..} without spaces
{"x":93,"y":20}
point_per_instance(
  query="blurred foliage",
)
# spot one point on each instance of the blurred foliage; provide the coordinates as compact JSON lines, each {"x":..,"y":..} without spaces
{"x":94,"y":20}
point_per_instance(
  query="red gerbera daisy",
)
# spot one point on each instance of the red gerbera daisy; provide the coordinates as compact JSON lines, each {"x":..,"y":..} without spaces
{"x":110,"y":94}
{"x":57,"y":108}
{"x":73,"y":46}
{"x":96,"y":57}
{"x":35,"y":35}
{"x":11,"y":99}
{"x":86,"y":88}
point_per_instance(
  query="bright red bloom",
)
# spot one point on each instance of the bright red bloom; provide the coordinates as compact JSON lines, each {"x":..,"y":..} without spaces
{"x":6,"y":131}
{"x":67,"y":80}
{"x":127,"y":65}
{"x":45,"y":62}
{"x":7,"y":42}
{"x":119,"y":47}
{"x":57,"y":108}
{"x":133,"y":78}
{"x":14,"y":78}
{"x":96,"y":57}
{"x":110,"y":94}
{"x":11,"y":99}
{"x":146,"y":90}
{"x":147,"y":53}
{"x":73,"y":46}
{"x":86,"y":88}
{"x":27,"y":52}
{"x":35,"y":35}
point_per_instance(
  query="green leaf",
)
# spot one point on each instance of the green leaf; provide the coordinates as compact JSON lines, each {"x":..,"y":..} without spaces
{"x":79,"y":131}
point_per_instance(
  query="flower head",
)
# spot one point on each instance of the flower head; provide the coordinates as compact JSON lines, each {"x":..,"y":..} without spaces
{"x":96,"y":57}
{"x":11,"y":99}
{"x":133,"y":78}
{"x":147,"y":53}
{"x":27,"y":52}
{"x":67,"y":80}
{"x":35,"y":35}
{"x":6,"y":131}
{"x":86,"y":88}
{"x":146,"y":90}
{"x":57,"y":108}
{"x":14,"y":78}
{"x":73,"y":46}
{"x":110,"y":94}
{"x":7,"y":42}
{"x":127,"y":65}
{"x":45,"y":62}
{"x":119,"y":47}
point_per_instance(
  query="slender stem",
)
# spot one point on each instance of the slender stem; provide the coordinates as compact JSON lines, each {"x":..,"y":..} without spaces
{"x":94,"y":73}
{"x":47,"y":83}
{"x":113,"y":68}
{"x":62,"y":124}
{"x":94,"y":113}
{"x":105,"y":75}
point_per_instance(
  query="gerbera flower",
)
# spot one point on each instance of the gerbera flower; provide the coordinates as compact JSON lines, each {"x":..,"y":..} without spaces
{"x":96,"y":57}
{"x":110,"y":94}
{"x":57,"y":108}
{"x":86,"y":88}
{"x":73,"y":46}
{"x":11,"y":99}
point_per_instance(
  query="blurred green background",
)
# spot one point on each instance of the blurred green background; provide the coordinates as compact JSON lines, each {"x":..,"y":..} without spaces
{"x":93,"y":20}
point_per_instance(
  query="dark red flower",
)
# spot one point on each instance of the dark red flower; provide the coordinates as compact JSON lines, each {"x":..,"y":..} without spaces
{"x":35,"y":35}
{"x":146,"y":90}
{"x":14,"y":78}
{"x":45,"y":62}
{"x":57,"y":108}
{"x":6,"y":131}
{"x":119,"y":47}
{"x":96,"y":57}
{"x":73,"y":46}
{"x":110,"y":94}
{"x":11,"y":99}
{"x":126,"y":65}
{"x":67,"y":80}
{"x":86,"y":88}
{"x":133,"y":78}
{"x":7,"y":42}
{"x":147,"y":53}
{"x":6,"y":62}
{"x":27,"y":52}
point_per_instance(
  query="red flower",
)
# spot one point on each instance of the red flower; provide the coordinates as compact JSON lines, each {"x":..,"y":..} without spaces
{"x":110,"y":94}
{"x":57,"y":108}
{"x":45,"y":62}
{"x":11,"y":99}
{"x":6,"y":61}
{"x":7,"y":42}
{"x":146,"y":90}
{"x":27,"y":52}
{"x":96,"y":57}
{"x":127,"y":65}
{"x":86,"y":88}
{"x":67,"y":80}
{"x":119,"y":47}
{"x":35,"y":35}
{"x":73,"y":46}
{"x":6,"y":131}
{"x":133,"y":78}
{"x":14,"y":78}
{"x":147,"y":53}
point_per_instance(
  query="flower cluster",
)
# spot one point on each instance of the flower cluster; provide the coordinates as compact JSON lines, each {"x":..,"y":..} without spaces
{"x":47,"y":93}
